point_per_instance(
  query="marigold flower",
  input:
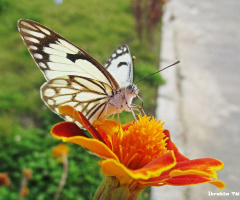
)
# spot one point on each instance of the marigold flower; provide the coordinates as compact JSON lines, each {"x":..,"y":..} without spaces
{"x":4,"y":180}
{"x":24,"y":192}
{"x":137,"y":154}
{"x":27,"y":173}
{"x":60,"y":150}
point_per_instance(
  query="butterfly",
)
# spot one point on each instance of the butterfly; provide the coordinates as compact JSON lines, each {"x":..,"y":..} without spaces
{"x":75,"y":78}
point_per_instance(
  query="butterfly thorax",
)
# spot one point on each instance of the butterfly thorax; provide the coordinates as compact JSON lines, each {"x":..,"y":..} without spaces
{"x":122,"y":99}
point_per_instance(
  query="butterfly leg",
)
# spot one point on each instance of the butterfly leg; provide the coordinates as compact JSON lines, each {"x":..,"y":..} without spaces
{"x":142,"y":104}
{"x":105,"y":113}
{"x":133,"y":113}
{"x":113,"y":116}
{"x":118,"y":120}
{"x":138,"y":109}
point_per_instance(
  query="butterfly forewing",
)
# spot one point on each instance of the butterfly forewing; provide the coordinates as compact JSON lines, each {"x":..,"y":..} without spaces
{"x":72,"y":74}
{"x":58,"y":57}
{"x":120,"y":65}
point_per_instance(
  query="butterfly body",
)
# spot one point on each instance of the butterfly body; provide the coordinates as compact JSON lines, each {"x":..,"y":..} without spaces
{"x":75,"y":78}
{"x":123,"y":98}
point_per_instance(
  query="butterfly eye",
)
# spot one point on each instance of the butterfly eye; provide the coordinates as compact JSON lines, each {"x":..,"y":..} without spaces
{"x":129,"y":88}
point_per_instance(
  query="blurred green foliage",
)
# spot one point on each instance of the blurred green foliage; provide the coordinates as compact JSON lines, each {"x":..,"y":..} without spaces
{"x":31,"y":149}
{"x":95,"y":26}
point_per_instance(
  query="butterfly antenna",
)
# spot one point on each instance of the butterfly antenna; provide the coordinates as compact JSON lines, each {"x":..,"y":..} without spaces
{"x":157,"y":71}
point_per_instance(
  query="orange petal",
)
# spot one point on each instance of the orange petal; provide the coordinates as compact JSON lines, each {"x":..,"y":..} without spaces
{"x":109,"y":127}
{"x":217,"y":183}
{"x":67,"y":129}
{"x":70,"y":111}
{"x":190,"y":172}
{"x":78,"y":116}
{"x":192,"y":180}
{"x":126,"y":126}
{"x":171,"y":146}
{"x":59,"y":150}
{"x":94,"y":145}
{"x":125,"y":175}
{"x":202,"y":166}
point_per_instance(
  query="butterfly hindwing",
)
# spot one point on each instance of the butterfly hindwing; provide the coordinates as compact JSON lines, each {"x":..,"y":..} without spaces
{"x":86,"y":95}
{"x":120,"y":65}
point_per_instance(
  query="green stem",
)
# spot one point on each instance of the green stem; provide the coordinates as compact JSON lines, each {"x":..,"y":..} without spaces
{"x":64,"y":177}
{"x":110,"y":189}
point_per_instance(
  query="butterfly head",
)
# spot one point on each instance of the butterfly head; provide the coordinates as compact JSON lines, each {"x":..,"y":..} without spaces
{"x":132,"y":90}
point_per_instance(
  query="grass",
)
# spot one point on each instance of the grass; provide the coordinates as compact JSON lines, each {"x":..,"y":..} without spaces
{"x":98,"y":27}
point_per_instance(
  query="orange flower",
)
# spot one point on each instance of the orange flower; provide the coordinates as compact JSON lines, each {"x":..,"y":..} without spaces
{"x":27,"y":173}
{"x":24,"y":192}
{"x":4,"y":180}
{"x":137,"y":154}
{"x":59,"y":151}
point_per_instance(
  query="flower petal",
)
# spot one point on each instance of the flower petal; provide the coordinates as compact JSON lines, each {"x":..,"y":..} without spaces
{"x":202,"y":166}
{"x":126,"y":126}
{"x":59,"y":150}
{"x":190,"y":172}
{"x":110,"y":127}
{"x":192,"y":180}
{"x":70,"y":111}
{"x":94,"y":145}
{"x":107,"y":128}
{"x":66,"y":129}
{"x":171,"y":146}
{"x":125,"y":175}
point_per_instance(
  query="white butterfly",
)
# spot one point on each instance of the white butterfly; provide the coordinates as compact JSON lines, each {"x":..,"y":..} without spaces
{"x":75,"y":78}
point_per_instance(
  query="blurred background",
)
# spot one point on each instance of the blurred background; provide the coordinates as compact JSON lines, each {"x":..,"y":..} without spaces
{"x":201,"y":101}
{"x":98,"y":27}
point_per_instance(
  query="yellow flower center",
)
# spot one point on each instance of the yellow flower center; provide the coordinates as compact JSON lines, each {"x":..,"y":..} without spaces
{"x":140,"y":143}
